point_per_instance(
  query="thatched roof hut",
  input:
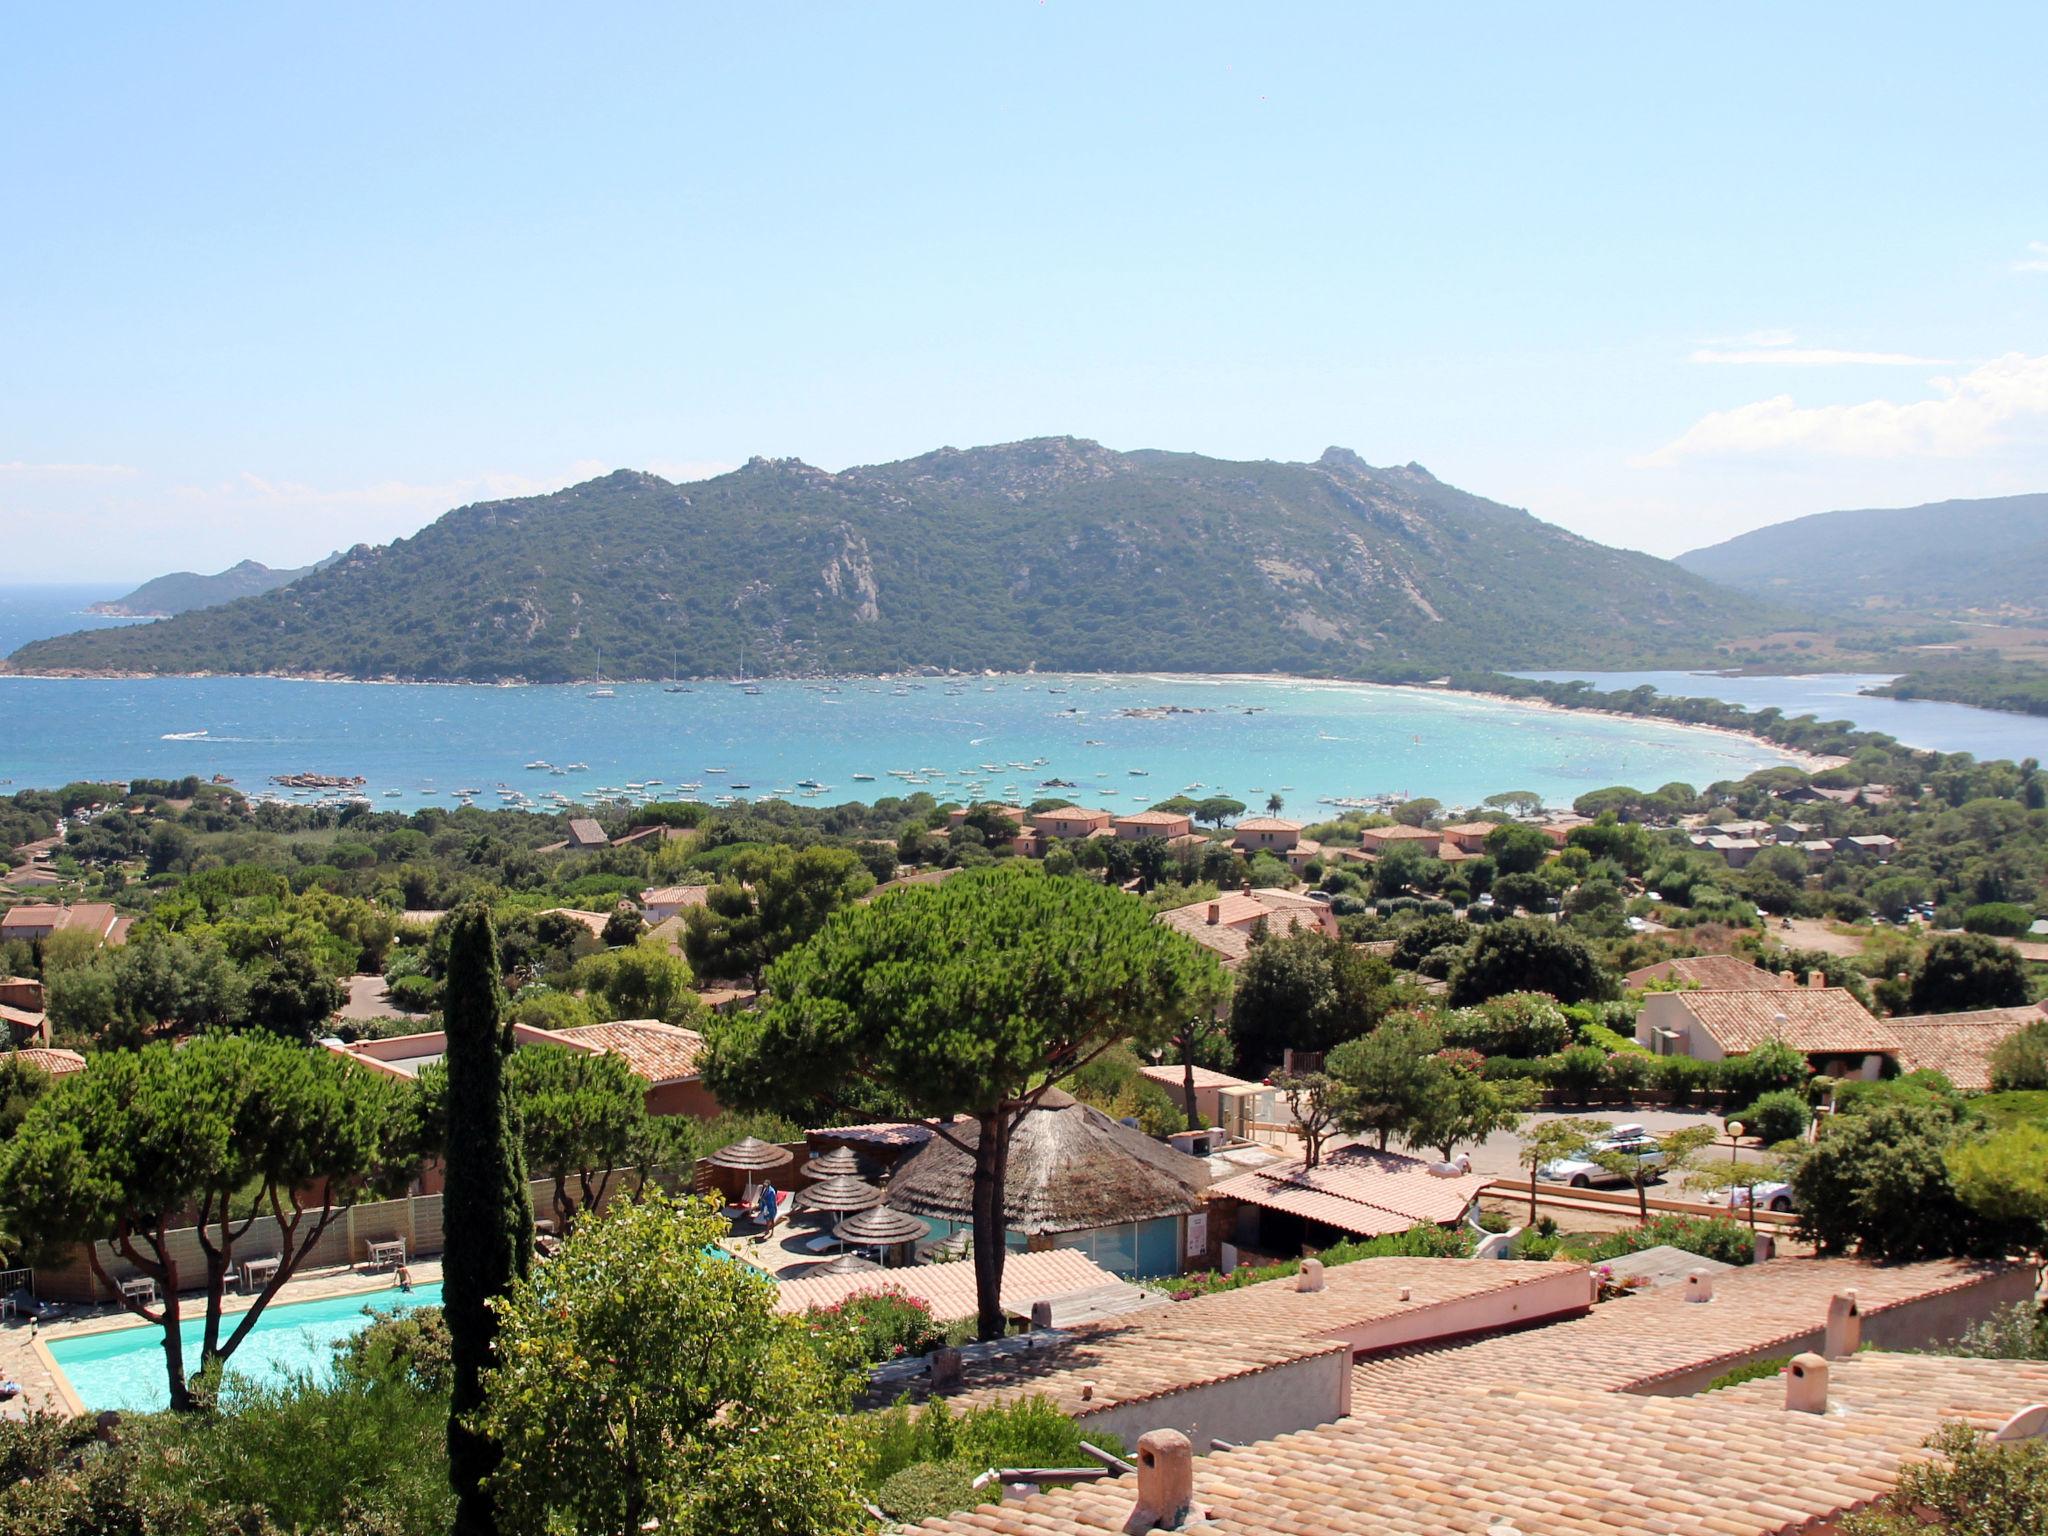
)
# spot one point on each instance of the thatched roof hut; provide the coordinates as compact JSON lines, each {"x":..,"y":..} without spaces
{"x":1072,"y":1169}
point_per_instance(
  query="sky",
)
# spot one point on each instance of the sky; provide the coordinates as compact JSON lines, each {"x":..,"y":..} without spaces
{"x":276,"y":280}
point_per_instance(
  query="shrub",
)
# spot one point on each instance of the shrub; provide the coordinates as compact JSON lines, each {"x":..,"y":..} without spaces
{"x":1756,"y":1370}
{"x":1608,"y":1040}
{"x":1627,"y":1072}
{"x":1780,"y":1115}
{"x":1685,"y":1078}
{"x":1514,"y":1024}
{"x":414,"y":1344}
{"x":1770,"y":1066}
{"x":1497,"y":1069}
{"x":874,"y":1327}
{"x":1029,"y":1432}
{"x":2000,"y":919}
{"x":930,"y":1488}
{"x":1581,"y":1072}
{"x":1711,"y":1237}
{"x":2020,"y":1060}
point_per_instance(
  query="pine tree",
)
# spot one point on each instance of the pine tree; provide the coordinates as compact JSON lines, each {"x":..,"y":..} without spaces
{"x":487,"y":1224}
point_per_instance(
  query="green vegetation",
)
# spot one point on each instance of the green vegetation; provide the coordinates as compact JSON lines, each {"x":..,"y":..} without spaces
{"x":1954,"y":557}
{"x":2020,"y":687}
{"x":485,"y":1219}
{"x":1006,"y":557}
{"x":1972,"y":1487}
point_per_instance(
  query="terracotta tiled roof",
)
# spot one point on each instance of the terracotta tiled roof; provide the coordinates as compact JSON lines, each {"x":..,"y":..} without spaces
{"x":1144,"y":1355}
{"x":1959,"y":1045}
{"x":1363,"y":1291}
{"x":36,"y":915}
{"x":1358,"y":1189}
{"x":1151,"y":819}
{"x":657,"y":1052}
{"x":1373,"y":835}
{"x":1266,"y":824}
{"x":584,"y":830}
{"x":51,"y":1059}
{"x":1815,"y":1020}
{"x":675,"y":896}
{"x":1547,"y":1456}
{"x":21,"y":1018}
{"x":1471,"y":829}
{"x":949,"y":1288}
{"x":594,"y":921}
{"x":1237,"y":914}
{"x":1717,"y":973}
{"x":1205,"y":1077}
{"x":1632,"y":1344}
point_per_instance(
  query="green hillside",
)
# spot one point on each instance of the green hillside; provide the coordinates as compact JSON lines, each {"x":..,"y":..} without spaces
{"x":182,"y":591}
{"x":1053,"y":553}
{"x":1950,"y":557}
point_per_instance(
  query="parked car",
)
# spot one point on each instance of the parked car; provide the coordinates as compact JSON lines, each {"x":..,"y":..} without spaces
{"x":1771,"y":1195}
{"x":1582,"y":1169}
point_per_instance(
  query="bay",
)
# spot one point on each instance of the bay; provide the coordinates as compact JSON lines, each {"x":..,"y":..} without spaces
{"x":1929,"y":724}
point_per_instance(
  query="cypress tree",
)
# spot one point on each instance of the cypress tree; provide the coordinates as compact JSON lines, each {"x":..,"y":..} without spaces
{"x":486,"y":1222}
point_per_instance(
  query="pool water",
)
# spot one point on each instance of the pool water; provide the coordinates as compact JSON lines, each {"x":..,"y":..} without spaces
{"x":123,"y":1368}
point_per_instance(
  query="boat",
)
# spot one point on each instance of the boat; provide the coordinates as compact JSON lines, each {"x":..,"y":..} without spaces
{"x":579,"y":768}
{"x":808,"y":784}
{"x":864,"y":778}
{"x":1140,"y":773}
{"x":600,"y":691}
{"x":675,"y":684}
{"x":392,"y":794}
{"x":743,"y":786}
{"x":539,"y":763}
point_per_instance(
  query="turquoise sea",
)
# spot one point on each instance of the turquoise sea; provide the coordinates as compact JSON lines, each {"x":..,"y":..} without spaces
{"x":416,"y":744}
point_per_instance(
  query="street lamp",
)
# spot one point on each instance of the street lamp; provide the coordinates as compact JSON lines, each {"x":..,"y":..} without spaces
{"x":1734,"y":1138}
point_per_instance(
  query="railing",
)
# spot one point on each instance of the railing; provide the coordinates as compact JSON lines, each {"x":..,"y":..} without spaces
{"x":12,"y":1280}
{"x":1625,"y":1199}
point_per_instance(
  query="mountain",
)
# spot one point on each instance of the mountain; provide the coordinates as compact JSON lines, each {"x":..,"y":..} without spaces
{"x":1055,"y":553}
{"x":162,"y":596}
{"x":1948,"y":557}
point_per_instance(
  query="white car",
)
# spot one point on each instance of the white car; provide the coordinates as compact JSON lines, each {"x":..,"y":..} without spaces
{"x":1581,"y":1171}
{"x":1771,"y":1195}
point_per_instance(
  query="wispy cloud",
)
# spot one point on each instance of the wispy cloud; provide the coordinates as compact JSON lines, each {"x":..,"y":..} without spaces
{"x":1965,"y":414}
{"x":28,"y":471}
{"x":2036,"y":259}
{"x":1817,"y":357}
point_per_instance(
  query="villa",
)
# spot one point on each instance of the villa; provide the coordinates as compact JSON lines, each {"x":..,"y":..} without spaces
{"x":1069,"y":822}
{"x":1139,"y":825}
{"x":1226,"y":924}
{"x":1377,"y":840}
{"x":659,"y":903}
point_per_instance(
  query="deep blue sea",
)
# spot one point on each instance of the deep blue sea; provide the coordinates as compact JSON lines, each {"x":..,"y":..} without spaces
{"x":985,"y":736}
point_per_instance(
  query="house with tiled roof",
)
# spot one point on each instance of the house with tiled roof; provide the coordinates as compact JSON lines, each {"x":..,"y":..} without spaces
{"x":1070,"y":821}
{"x":585,"y":833}
{"x":51,"y":1059}
{"x":1469,"y":836}
{"x":1715,"y":973}
{"x":1139,"y":825}
{"x":1226,"y":924}
{"x":659,"y":903}
{"x":666,"y":1057}
{"x":1876,"y":845}
{"x":1836,"y":1034}
{"x":1377,"y":840}
{"x":36,"y":921}
{"x":1274,"y":833}
{"x":24,"y":1027}
{"x":1959,"y":1045}
{"x":1354,"y":1191}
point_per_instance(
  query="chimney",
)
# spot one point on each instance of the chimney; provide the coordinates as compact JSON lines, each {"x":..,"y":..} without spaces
{"x":1845,"y":1326}
{"x":1215,"y":913}
{"x":1816,"y":979}
{"x":945,"y":1370}
{"x":1166,"y":1482}
{"x":1699,"y":1286}
{"x":1311,"y":1277}
{"x":1806,"y":1384}
{"x":1041,"y":1315}
{"x":1790,"y":978}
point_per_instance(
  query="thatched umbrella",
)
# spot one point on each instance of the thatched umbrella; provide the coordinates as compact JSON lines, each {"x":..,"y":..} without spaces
{"x":1072,"y":1169}
{"x":751,"y":1155}
{"x":880,"y":1227}
{"x":841,"y":1161}
{"x":845,"y":1264}
{"x":838,"y":1194}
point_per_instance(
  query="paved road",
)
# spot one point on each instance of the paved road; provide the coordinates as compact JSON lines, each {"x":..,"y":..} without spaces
{"x":1499,"y":1155}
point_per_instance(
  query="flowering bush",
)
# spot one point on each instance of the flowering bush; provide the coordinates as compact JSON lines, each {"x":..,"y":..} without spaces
{"x":874,"y":1327}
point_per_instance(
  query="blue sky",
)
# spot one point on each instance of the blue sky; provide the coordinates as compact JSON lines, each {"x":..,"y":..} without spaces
{"x":281,"y":278}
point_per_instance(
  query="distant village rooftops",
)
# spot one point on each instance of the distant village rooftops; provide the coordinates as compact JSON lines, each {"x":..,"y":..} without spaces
{"x":1225,"y":925}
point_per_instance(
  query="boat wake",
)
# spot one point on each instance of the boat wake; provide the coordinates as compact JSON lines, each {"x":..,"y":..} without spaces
{"x":183,"y":736}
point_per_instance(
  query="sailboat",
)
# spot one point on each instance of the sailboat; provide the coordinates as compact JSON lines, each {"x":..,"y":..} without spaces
{"x":674,"y":686}
{"x":600,"y":691}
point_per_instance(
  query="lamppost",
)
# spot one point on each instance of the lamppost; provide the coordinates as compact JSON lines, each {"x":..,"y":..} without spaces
{"x":1735,"y":1129}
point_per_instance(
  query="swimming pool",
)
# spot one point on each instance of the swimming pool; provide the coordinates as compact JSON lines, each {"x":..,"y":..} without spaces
{"x":123,"y":1368}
